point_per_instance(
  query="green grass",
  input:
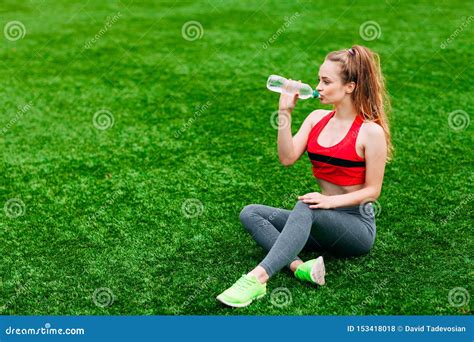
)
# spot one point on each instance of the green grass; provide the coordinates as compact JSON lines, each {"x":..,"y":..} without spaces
{"x":103,"y":208}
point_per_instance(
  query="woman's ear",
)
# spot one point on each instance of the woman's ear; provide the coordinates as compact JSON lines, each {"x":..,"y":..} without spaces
{"x":350,"y":87}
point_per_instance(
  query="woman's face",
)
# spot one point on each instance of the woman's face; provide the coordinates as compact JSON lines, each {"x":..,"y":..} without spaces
{"x":330,"y":85}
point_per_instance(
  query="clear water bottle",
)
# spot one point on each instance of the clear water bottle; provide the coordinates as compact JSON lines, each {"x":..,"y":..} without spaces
{"x":280,"y":84}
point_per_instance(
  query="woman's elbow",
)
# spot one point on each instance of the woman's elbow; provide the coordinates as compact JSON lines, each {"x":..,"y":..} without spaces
{"x":376,"y":193}
{"x":287,"y":162}
{"x":373,"y":192}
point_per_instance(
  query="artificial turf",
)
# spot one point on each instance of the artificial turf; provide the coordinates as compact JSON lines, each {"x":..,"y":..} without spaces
{"x":103,"y":209}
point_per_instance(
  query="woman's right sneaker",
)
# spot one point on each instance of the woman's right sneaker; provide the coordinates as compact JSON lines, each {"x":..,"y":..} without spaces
{"x":243,"y":292}
{"x":312,"y":270}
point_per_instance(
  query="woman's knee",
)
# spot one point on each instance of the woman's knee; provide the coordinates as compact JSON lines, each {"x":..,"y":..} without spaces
{"x":301,"y":204}
{"x":247,"y":212}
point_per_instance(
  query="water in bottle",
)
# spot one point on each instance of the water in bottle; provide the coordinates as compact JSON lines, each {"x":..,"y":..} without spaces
{"x":280,"y":84}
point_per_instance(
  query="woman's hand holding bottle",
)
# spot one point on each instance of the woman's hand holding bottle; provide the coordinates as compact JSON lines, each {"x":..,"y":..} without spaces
{"x":287,"y":99}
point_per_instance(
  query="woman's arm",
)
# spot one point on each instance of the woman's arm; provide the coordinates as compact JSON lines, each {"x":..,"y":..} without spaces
{"x":291,"y":148}
{"x":299,"y":141}
{"x":286,"y":149}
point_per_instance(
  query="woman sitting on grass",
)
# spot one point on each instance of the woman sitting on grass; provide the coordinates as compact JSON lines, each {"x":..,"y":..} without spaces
{"x":348,"y":148}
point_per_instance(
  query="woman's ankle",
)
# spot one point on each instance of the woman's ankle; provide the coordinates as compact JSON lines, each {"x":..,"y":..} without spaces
{"x":260,"y":273}
{"x":294,"y":265}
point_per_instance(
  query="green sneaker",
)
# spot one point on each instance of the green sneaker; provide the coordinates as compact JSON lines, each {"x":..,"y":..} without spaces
{"x":312,"y":271}
{"x":243,"y":292}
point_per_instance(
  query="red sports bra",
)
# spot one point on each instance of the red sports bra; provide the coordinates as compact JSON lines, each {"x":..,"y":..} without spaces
{"x":339,"y":164}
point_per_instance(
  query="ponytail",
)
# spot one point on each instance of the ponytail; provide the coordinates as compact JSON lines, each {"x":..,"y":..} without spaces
{"x":362,"y":66}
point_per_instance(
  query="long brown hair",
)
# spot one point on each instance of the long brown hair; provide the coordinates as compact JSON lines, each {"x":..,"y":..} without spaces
{"x":362,"y":66}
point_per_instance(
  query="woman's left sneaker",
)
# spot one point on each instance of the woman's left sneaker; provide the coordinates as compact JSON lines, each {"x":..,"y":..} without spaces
{"x":312,"y":271}
{"x":243,"y":292}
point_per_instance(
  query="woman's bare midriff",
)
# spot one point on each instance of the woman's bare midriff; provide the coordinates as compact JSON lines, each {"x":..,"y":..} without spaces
{"x":330,"y":189}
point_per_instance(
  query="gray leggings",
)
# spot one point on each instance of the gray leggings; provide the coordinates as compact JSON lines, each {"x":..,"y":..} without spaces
{"x":342,"y":232}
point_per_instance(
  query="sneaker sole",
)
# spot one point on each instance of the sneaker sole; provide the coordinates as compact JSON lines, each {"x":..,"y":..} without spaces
{"x":239,"y":305}
{"x":318,"y":271}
